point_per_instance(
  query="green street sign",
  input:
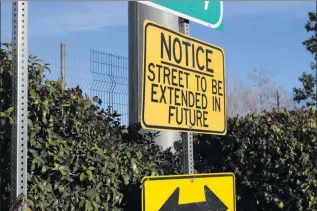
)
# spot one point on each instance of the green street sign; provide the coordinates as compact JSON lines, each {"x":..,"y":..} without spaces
{"x":208,"y":13}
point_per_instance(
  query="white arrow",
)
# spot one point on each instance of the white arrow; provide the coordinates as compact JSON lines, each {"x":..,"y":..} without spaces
{"x":206,"y":5}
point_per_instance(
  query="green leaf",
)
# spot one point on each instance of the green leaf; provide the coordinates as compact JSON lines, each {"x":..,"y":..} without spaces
{"x":92,"y":193}
{"x":43,"y":169}
{"x":82,"y":177}
{"x":133,"y":161}
{"x":32,"y":141}
{"x":52,"y":143}
{"x":96,"y":206}
{"x":98,"y":200}
{"x":114,"y":193}
{"x":106,"y":206}
{"x":11,"y":120}
{"x":139,"y":154}
{"x":90,"y":176}
{"x":30,"y":203}
{"x":10,"y":110}
{"x":32,"y":93}
{"x":126,"y":179}
{"x":88,"y":206}
{"x":52,"y":89}
{"x":281,"y":205}
{"x":63,"y":170}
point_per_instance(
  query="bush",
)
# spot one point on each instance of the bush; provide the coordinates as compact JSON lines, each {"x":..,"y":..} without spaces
{"x":5,"y":127}
{"x":274,"y":158}
{"x":80,"y":157}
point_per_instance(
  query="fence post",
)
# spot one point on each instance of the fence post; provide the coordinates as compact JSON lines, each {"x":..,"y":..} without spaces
{"x":277,"y":100}
{"x":63,"y":64}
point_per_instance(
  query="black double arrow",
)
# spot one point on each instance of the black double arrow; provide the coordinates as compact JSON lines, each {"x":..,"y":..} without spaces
{"x":212,"y":203}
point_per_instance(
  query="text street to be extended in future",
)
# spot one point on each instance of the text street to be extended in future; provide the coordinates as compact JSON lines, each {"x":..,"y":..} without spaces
{"x":181,"y":76}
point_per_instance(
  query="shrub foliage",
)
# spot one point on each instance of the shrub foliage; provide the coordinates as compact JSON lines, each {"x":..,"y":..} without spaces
{"x":274,"y":158}
{"x":81,"y":158}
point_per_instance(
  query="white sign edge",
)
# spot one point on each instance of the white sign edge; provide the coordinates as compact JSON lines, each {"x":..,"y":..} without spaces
{"x":214,"y":26}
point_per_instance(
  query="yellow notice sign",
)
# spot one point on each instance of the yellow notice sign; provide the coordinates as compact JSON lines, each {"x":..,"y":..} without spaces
{"x":203,"y":192}
{"x":183,"y":83}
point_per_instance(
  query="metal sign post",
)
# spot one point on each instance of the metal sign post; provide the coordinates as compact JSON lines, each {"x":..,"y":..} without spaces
{"x":176,"y":68}
{"x":20,"y":104}
{"x":188,"y":153}
{"x":187,"y":138}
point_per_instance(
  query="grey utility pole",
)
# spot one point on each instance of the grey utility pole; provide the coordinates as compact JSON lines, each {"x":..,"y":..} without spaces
{"x":20,"y":104}
{"x":138,"y":12}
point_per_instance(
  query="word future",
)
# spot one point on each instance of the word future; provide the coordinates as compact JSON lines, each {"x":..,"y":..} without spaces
{"x":183,"y":83}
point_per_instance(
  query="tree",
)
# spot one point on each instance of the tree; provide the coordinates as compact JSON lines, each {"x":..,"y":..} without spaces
{"x":308,"y":91}
{"x":241,"y":100}
{"x":257,"y":94}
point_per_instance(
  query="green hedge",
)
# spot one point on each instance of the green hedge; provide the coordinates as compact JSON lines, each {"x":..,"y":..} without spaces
{"x":274,"y":158}
{"x":80,"y":158}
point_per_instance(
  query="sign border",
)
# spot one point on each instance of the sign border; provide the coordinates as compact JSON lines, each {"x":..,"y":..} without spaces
{"x":214,"y":26}
{"x":148,"y":23}
{"x":188,"y":176}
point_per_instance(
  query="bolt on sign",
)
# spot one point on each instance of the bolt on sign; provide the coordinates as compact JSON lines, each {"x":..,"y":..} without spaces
{"x":201,"y":192}
{"x":183,"y":83}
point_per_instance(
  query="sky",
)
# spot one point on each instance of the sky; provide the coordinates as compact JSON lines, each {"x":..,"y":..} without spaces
{"x":256,"y":34}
